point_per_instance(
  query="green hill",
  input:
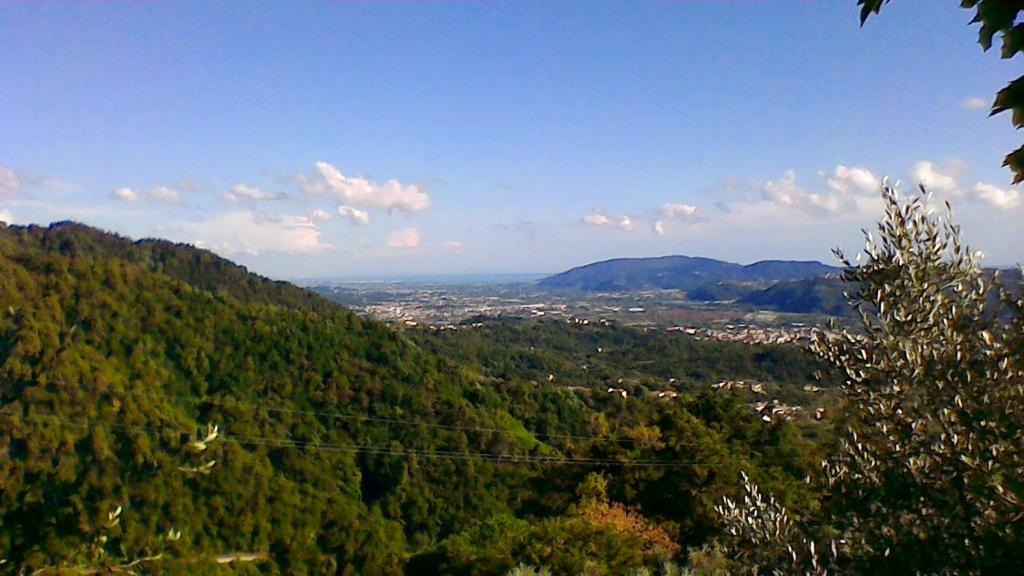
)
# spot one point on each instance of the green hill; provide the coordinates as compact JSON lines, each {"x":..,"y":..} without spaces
{"x":812,"y":295}
{"x":199,"y":268}
{"x":676,"y":273}
{"x":723,"y":291}
{"x":108,"y":363}
{"x":816,"y":295}
{"x":343,"y":446}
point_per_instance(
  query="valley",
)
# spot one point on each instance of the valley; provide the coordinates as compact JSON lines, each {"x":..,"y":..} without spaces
{"x":450,"y":305}
{"x":174,"y":391}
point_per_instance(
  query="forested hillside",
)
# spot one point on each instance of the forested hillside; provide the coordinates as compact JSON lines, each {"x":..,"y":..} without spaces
{"x":822,"y":295}
{"x":163,"y":409}
{"x":200,"y":269}
{"x":812,"y":295}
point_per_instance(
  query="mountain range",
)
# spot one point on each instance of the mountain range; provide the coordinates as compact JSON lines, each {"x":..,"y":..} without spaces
{"x":678,"y":273}
{"x":806,"y":287}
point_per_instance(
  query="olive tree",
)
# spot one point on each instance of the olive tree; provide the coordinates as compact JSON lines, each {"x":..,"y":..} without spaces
{"x":927,"y":476}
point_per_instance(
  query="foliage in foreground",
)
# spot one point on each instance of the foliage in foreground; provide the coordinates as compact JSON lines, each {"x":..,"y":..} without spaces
{"x":994,"y":17}
{"x":928,"y":473}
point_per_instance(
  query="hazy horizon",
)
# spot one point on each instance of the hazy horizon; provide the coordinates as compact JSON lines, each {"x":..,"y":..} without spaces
{"x":358,"y":139}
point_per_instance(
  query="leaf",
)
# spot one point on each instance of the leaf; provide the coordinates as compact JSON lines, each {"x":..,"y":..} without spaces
{"x":869,"y":7}
{"x":1011,"y":98}
{"x":1015,"y":161}
{"x":1013,"y":41}
{"x":995,"y":16}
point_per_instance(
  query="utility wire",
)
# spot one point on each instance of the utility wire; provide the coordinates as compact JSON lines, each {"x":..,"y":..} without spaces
{"x":288,"y":443}
{"x":397,"y":421}
{"x":234,"y":403}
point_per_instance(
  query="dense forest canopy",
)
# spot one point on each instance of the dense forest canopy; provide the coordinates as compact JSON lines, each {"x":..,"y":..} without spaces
{"x":161,"y":407}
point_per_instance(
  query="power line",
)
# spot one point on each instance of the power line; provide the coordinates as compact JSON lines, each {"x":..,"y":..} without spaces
{"x":400,"y":422}
{"x":288,"y":443}
{"x":382,"y":420}
{"x":368,"y":448}
{"x":470,"y":456}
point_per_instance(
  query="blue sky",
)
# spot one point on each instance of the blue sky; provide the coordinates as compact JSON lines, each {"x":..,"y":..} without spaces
{"x":316,"y":138}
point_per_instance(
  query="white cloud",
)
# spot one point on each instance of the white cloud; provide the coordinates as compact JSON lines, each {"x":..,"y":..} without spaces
{"x":659,"y":228}
{"x":6,"y":217}
{"x":125,"y":194}
{"x":164,"y":195}
{"x":392,"y":196}
{"x":938,"y":179}
{"x":404,"y":238}
{"x":451,"y":245}
{"x":9,"y":183}
{"x":975,"y":103}
{"x":945,"y":181}
{"x":354,"y":215}
{"x":245,"y":231}
{"x":318,"y":215}
{"x":676,"y":211}
{"x":844,"y":192}
{"x":846,"y":179}
{"x":596,"y":219}
{"x":599,"y":219}
{"x":246,"y":192}
{"x":786,"y":192}
{"x":994,"y":196}
{"x":161,"y":194}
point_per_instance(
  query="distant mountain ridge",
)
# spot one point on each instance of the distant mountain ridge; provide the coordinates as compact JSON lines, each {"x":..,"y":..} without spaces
{"x":678,"y":273}
{"x":817,"y":295}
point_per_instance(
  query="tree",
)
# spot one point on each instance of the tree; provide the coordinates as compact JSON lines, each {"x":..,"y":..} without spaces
{"x":994,"y":16}
{"x":928,"y":474}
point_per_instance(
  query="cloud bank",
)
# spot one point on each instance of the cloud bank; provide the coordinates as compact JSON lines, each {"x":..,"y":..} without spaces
{"x":788,"y":193}
{"x":944,"y":181}
{"x":847,"y":180}
{"x":391,"y":196}
{"x":253,"y":233}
